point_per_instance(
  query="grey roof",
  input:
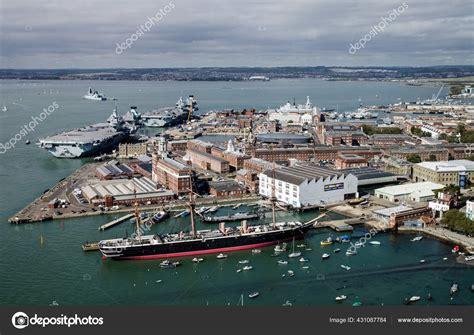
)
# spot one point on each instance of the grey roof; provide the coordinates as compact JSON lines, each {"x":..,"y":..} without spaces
{"x":297,"y":174}
{"x":367,"y":173}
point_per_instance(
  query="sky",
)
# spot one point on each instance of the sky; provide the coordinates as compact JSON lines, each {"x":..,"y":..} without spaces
{"x":202,"y":33}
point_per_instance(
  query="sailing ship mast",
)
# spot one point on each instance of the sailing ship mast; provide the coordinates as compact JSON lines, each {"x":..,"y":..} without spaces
{"x":272,"y":197}
{"x":191,"y":207}
{"x":137,"y":216}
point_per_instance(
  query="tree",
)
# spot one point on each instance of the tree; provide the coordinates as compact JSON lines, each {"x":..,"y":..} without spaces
{"x":457,"y":221}
{"x":414,"y":158}
{"x":432,"y":158}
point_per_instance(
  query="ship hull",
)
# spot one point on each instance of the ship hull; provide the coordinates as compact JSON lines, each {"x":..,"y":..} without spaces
{"x":208,"y":246}
{"x":85,"y":150}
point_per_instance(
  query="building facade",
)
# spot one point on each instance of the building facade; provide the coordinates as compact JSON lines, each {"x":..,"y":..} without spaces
{"x":305,"y":185}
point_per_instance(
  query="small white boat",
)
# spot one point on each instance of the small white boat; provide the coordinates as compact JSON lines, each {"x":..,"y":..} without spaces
{"x":198,"y":260}
{"x":445,"y":258}
{"x":4,"y":108}
{"x":302,"y":260}
{"x":337,"y":250}
{"x":238,"y":270}
{"x":453,"y":289}
{"x":308,"y":249}
{"x":350,"y":253}
{"x":221,"y":256}
{"x":469,"y":258}
{"x":282,"y":262}
{"x":418,"y":238}
{"x":305,"y":267}
{"x":341,"y":297}
{"x":375,"y":242}
{"x":422,"y":261}
{"x":287,"y":303}
{"x":212,"y":209}
{"x":167,"y":264}
{"x":325,"y":256}
{"x":254,"y":295}
{"x":159,"y":281}
{"x":346,"y":267}
{"x":280,"y":248}
{"x":414,"y":298}
{"x":247,"y":268}
{"x":291,"y":273}
{"x":256,"y":251}
{"x":294,"y":254}
{"x":301,"y":246}
{"x":244,"y":261}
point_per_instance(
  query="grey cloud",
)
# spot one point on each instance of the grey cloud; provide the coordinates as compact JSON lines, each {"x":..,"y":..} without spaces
{"x":233,"y":33}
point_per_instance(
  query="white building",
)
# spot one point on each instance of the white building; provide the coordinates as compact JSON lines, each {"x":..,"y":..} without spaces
{"x":470,"y":210}
{"x":416,"y":192}
{"x":307,"y":185}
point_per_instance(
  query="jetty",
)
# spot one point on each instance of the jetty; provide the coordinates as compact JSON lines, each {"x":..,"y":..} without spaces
{"x":116,"y":221}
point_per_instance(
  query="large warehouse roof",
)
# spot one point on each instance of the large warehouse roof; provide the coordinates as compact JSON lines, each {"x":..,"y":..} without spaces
{"x":301,"y":172}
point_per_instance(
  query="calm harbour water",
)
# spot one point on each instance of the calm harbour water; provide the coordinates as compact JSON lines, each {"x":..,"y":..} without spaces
{"x":58,"y":271}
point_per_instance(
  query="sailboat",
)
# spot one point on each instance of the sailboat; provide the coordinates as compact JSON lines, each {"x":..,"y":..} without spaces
{"x":196,"y":242}
{"x":294,"y":253}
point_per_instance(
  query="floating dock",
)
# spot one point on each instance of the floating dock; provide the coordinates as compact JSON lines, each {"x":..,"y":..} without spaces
{"x":116,"y":221}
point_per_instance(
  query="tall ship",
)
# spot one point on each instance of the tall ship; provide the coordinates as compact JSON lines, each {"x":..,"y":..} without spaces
{"x":197,"y":242}
{"x":94,"y":95}
{"x":170,"y":116}
{"x":89,"y":140}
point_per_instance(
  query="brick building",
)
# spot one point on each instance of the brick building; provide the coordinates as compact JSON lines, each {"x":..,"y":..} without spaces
{"x":206,"y":161}
{"x":346,"y":161}
{"x":171,"y":174}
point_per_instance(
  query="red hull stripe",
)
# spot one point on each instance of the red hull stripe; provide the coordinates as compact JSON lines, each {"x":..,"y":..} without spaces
{"x":209,"y":251}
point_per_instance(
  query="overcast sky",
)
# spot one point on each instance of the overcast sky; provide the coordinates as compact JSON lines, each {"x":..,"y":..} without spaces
{"x":84,"y":33}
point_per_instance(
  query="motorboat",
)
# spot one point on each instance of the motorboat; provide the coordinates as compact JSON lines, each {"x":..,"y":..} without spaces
{"x":221,"y":256}
{"x":244,"y":261}
{"x":247,"y":268}
{"x":374,"y":242}
{"x":282,"y":262}
{"x":197,"y":260}
{"x":326,"y":242}
{"x":346,"y":267}
{"x":337,"y":250}
{"x":418,"y":238}
{"x":341,"y":297}
{"x":350,"y":252}
{"x":325,"y":256}
{"x":280,"y":248}
{"x":303,"y":260}
{"x":453,"y":289}
{"x":168,"y":264}
{"x":253,"y":295}
{"x":256,"y":251}
{"x":415,"y":298}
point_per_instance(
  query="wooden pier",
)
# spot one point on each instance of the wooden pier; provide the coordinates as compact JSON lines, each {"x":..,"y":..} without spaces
{"x":116,"y":221}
